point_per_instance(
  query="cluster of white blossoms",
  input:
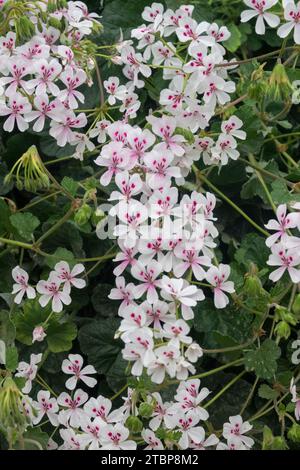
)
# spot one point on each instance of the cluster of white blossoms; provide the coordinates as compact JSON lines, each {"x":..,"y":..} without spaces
{"x":39,"y":79}
{"x":167,"y":243}
{"x":260,"y":9}
{"x":285,"y":246}
{"x":90,"y":423}
{"x":56,"y":288}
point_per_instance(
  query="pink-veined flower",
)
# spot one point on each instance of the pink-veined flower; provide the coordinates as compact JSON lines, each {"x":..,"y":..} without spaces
{"x":217,"y":277}
{"x":50,"y":291}
{"x":287,"y":260}
{"x":21,"y":286}
{"x":68,"y":276}
{"x":73,"y":366}
{"x":259,"y":8}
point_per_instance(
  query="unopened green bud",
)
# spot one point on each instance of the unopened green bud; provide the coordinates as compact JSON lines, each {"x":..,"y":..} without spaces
{"x":146,"y":410}
{"x":283,"y":330}
{"x":280,"y":86}
{"x":83,"y":214}
{"x":134,"y":424}
{"x":294,"y":433}
{"x":271,"y":442}
{"x":55,"y":23}
{"x":252,"y":286}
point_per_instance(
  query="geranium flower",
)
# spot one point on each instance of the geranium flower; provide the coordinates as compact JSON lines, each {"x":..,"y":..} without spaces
{"x":287,"y":260}
{"x":50,"y":290}
{"x":217,"y":277}
{"x":21,"y":286}
{"x":235,"y":430}
{"x":259,"y":8}
{"x":68,"y":275}
{"x":72,"y":413}
{"x":73,"y":366}
{"x":292,"y":15}
{"x":29,"y":371}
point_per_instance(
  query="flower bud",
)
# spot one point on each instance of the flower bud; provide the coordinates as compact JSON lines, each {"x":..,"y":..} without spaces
{"x":83,"y":214}
{"x":134,"y":424}
{"x":38,"y":334}
{"x":280,"y":87}
{"x":283,"y":330}
{"x":294,"y":433}
{"x":146,"y":410}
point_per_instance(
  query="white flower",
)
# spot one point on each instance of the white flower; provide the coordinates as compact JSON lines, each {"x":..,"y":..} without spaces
{"x":292,"y":15}
{"x":217,"y":277}
{"x":287,"y":260}
{"x":72,"y":414}
{"x":46,"y":406}
{"x":115,"y":438}
{"x":153,"y":442}
{"x":68,"y":276}
{"x":21,"y":286}
{"x":258,"y":8}
{"x":73,"y":366}
{"x":50,"y":290}
{"x":234,"y":431}
{"x":29,"y":371}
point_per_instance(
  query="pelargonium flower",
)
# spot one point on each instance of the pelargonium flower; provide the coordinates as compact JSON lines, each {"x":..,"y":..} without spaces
{"x":73,"y":366}
{"x":287,"y":260}
{"x":292,"y":16}
{"x":69,"y":276}
{"x":235,"y":430}
{"x":21,"y":286}
{"x":217,"y":277}
{"x":259,"y":8}
{"x":28,"y":371}
{"x":51,"y":290}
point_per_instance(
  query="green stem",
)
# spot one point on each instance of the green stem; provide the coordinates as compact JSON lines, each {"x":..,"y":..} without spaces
{"x":263,"y":184}
{"x":237,"y":362}
{"x":119,"y":392}
{"x":249,"y":398}
{"x":56,"y":226}
{"x":266,"y":172}
{"x":224,"y":389}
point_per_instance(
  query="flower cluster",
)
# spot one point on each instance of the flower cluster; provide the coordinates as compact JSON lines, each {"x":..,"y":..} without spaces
{"x":260,"y":9}
{"x":166,"y":243}
{"x":90,"y":423}
{"x":284,"y":245}
{"x":40,"y":79}
{"x":56,"y":288}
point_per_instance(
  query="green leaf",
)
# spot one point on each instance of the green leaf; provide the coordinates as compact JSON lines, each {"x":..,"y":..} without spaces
{"x":60,"y":254}
{"x":121,"y":15}
{"x":70,"y":185}
{"x":7,"y":328}
{"x":25,"y":223}
{"x":35,"y":438}
{"x":253,"y":249}
{"x":60,"y":336}
{"x":235,"y":40}
{"x":268,"y":393}
{"x":263,"y":361}
{"x":228,"y":323}
{"x":11,"y":358}
{"x":103,"y":350}
{"x":280,"y":193}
